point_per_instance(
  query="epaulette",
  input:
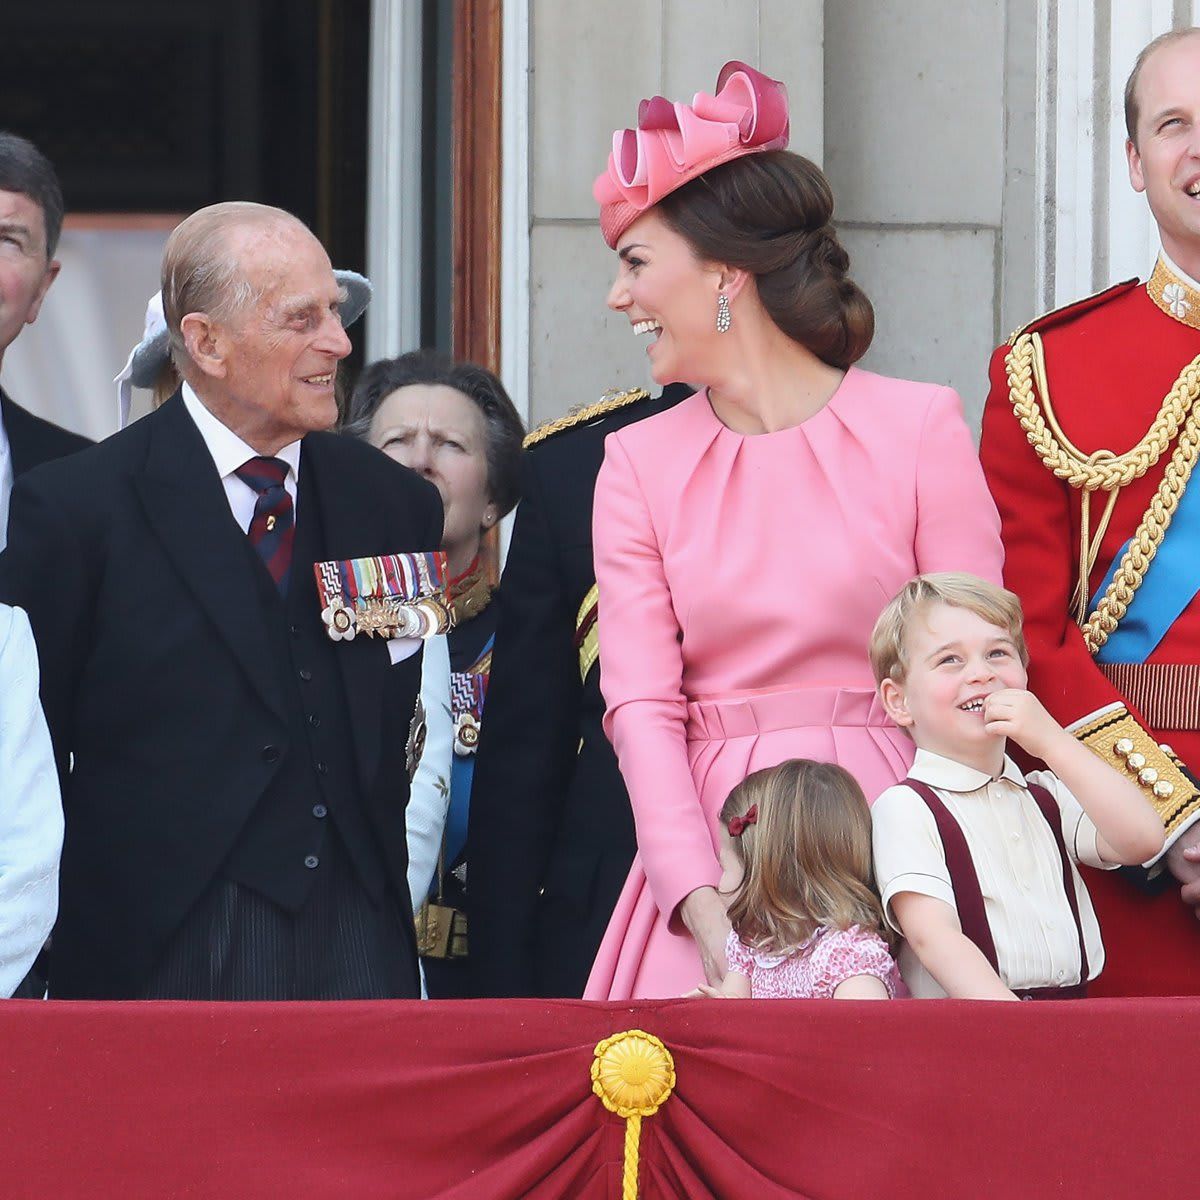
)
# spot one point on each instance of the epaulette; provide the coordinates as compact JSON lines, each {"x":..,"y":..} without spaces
{"x":585,"y":413}
{"x":1057,"y":316}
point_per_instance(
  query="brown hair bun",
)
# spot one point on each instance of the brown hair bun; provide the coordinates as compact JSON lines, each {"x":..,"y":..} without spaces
{"x":770,"y":214}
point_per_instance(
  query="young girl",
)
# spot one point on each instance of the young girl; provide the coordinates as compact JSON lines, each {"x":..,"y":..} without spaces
{"x":796,"y":860}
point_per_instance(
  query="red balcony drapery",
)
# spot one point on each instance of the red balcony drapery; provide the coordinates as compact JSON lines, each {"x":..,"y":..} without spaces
{"x":493,"y":1099}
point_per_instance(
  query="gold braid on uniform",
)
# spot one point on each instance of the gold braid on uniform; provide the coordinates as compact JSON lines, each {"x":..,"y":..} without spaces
{"x":609,"y":402}
{"x":1165,"y":782}
{"x":1105,"y":471}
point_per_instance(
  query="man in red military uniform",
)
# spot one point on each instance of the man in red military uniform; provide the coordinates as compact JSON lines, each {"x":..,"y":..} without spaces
{"x":1090,"y":434}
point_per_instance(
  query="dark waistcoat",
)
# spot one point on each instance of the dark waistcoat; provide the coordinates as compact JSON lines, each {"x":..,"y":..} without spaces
{"x":279,"y":851}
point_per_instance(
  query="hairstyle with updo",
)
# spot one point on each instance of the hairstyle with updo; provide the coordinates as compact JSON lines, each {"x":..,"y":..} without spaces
{"x":769,"y":214}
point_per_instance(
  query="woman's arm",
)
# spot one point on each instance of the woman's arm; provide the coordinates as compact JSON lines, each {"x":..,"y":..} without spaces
{"x":704,"y":915}
{"x":958,"y":528}
{"x":641,"y":676}
{"x":932,"y":930}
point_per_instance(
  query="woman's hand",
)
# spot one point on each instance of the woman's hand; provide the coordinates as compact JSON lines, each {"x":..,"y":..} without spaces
{"x":703,"y":912}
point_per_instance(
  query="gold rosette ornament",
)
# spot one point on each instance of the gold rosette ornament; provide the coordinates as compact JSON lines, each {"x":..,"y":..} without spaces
{"x":633,"y":1073}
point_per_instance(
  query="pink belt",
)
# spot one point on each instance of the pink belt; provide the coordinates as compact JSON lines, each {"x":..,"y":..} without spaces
{"x":764,"y":712}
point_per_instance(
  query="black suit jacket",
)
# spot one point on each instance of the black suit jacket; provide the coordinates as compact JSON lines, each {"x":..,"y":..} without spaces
{"x":33,"y":441}
{"x":157,"y":678}
{"x":551,"y":829}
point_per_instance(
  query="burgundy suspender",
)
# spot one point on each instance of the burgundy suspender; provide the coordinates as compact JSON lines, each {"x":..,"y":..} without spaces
{"x":968,"y":896}
{"x":1053,"y":816}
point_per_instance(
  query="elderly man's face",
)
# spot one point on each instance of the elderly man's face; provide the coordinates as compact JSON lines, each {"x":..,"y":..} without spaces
{"x":1165,"y":164}
{"x":25,"y":273}
{"x":284,"y":350}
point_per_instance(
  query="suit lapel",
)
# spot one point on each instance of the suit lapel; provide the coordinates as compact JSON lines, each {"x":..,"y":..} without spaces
{"x":345,"y":528}
{"x":20,"y":435}
{"x":187,"y":509}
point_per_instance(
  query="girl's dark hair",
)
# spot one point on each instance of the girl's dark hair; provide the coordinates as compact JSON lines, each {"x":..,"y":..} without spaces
{"x":504,"y":430}
{"x":769,"y":214}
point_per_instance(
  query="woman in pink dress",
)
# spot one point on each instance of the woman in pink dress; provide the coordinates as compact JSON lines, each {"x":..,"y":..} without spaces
{"x":747,"y":539}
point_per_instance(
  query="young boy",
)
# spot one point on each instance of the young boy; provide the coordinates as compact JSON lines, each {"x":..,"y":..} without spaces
{"x":976,"y":863}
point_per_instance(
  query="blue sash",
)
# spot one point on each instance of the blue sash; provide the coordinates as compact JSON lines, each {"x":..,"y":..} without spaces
{"x":1170,"y":584}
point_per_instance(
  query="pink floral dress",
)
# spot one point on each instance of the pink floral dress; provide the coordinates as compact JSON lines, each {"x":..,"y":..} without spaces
{"x":816,"y":969}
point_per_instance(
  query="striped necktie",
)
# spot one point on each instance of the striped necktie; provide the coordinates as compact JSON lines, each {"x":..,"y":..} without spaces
{"x":273,"y":526}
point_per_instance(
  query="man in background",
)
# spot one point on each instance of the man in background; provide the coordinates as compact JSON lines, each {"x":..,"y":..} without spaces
{"x":31,"y":217}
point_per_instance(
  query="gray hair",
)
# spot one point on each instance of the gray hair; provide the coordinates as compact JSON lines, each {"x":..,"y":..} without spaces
{"x":201,"y":274}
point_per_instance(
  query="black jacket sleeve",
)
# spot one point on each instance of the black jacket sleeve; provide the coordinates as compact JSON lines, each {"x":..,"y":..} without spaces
{"x":527,"y":750}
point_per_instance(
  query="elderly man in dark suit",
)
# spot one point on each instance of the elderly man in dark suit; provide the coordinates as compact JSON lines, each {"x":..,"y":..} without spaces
{"x":31,"y":217}
{"x":233,"y":780}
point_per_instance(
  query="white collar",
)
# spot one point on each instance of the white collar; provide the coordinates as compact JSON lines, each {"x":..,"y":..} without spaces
{"x":1178,"y":271}
{"x":227,"y":449}
{"x":941,"y":772}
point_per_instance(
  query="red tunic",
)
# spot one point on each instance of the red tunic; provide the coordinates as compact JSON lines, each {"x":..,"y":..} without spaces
{"x":1110,"y":361}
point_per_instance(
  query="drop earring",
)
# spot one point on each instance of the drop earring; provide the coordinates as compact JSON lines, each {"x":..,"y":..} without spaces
{"x":724,"y":317}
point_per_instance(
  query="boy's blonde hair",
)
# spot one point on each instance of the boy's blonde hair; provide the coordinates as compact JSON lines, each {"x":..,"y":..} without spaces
{"x":807,"y":856}
{"x":997,"y":606}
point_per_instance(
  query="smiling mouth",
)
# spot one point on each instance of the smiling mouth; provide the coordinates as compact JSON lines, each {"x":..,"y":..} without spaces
{"x":972,"y":706}
{"x":640,"y":327}
{"x":1194,"y":190}
{"x":319,"y":380}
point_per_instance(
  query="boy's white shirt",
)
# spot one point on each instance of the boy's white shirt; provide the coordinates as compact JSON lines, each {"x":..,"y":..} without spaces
{"x":1019,"y":869}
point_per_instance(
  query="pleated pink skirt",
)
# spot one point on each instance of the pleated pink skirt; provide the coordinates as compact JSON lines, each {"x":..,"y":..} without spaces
{"x":640,"y":957}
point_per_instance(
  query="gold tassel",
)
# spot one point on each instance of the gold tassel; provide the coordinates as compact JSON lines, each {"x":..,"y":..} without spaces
{"x":633,"y":1074}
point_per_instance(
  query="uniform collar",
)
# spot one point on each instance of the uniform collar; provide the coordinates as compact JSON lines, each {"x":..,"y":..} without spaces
{"x":470,"y":593}
{"x":1175,"y":292}
{"x":227,"y":449}
{"x":941,"y":772}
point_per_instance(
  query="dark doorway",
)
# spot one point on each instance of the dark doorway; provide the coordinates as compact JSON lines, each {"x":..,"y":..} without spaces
{"x":149,"y":106}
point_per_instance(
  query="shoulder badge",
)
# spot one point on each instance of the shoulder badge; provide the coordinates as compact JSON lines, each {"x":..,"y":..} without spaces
{"x":583,"y":414}
{"x":1076,"y":308}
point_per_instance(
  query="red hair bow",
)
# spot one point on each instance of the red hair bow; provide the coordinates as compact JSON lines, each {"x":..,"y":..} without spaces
{"x":737,"y":825}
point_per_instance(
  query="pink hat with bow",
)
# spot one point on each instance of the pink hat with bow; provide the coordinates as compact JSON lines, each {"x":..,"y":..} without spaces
{"x":674,"y":143}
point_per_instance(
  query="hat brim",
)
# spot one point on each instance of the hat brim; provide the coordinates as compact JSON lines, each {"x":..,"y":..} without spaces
{"x":153,"y":353}
{"x":149,"y":359}
{"x":358,"y":295}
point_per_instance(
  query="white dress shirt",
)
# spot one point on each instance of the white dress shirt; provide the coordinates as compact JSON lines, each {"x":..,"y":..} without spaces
{"x":1015,"y":858}
{"x":31,"y":819}
{"x":229,"y":452}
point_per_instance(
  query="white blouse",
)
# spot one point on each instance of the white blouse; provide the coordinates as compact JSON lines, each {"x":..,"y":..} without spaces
{"x":31,"y":818}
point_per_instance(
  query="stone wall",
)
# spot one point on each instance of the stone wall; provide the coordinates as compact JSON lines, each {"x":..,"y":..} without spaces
{"x":591,"y":64}
{"x":929,"y":116}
